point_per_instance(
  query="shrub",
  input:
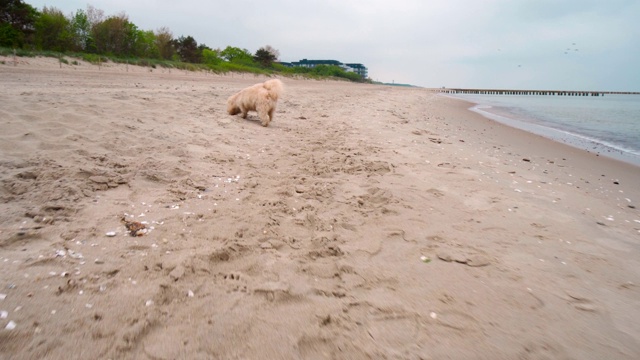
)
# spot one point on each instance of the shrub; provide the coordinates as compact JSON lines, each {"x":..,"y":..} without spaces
{"x":93,"y":58}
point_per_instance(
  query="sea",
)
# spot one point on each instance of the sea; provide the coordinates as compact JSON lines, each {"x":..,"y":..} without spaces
{"x":608,"y":125}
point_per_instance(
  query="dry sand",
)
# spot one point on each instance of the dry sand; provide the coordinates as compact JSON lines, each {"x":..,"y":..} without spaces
{"x":306,"y":239}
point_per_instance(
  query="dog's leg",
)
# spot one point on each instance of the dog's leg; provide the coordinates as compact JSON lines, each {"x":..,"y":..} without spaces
{"x":265,"y":118}
{"x":244,"y":113}
{"x":264,"y":112}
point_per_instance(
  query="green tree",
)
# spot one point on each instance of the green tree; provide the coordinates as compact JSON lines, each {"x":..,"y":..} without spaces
{"x":112,"y":36}
{"x":17,"y":23}
{"x":211,"y":57}
{"x":272,"y":51}
{"x":201,"y":50}
{"x":10,"y":36}
{"x":53,"y":30}
{"x":145,"y":46}
{"x":237,"y":56}
{"x":164,"y":43}
{"x":264,"y":57}
{"x":81,"y":31}
{"x":95,"y":17}
{"x":187,"y":49}
{"x":132,"y":42}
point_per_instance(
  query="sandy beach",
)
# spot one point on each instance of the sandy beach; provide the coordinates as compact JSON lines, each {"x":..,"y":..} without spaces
{"x":141,"y":221}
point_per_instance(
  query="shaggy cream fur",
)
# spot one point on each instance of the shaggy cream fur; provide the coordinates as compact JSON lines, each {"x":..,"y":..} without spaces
{"x":261,"y":98}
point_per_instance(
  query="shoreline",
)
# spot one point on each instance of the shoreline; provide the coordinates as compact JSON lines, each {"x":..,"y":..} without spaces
{"x":589,"y":166}
{"x":588,"y":144}
{"x":391,"y":222}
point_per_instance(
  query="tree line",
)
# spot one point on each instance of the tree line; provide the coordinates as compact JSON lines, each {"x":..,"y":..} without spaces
{"x":90,"y":31}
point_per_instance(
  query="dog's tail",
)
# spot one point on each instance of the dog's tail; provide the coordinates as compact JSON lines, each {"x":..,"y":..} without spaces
{"x":274,"y":88}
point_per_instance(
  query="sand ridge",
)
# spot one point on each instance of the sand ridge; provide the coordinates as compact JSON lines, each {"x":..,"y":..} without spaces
{"x":365,"y":222}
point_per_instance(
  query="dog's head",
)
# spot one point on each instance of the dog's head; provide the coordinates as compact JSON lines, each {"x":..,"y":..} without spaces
{"x":232,"y":108}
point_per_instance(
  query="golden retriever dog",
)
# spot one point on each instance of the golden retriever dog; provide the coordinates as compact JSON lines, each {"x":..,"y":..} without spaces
{"x":261,"y":98}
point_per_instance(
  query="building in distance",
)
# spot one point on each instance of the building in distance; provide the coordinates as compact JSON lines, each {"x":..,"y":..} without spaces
{"x":348,"y":67}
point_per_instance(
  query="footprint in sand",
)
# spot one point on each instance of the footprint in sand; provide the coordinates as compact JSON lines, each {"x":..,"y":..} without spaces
{"x":233,"y":281}
{"x":457,"y":320}
{"x":468,"y":258}
{"x":435,"y":192}
{"x":580,"y":302}
{"x":397,"y":332}
{"x":382,"y":329}
{"x":376,"y":199}
{"x":316,"y":347}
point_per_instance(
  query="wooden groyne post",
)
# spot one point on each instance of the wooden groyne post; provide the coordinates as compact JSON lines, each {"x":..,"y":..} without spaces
{"x":534,"y":92}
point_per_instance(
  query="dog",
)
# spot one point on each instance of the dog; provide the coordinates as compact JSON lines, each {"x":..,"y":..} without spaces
{"x":261,"y":98}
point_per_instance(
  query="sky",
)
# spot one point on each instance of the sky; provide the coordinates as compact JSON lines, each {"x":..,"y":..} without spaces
{"x":487,"y":44}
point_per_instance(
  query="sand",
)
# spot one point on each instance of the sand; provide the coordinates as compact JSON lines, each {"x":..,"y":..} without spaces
{"x":366,"y":222}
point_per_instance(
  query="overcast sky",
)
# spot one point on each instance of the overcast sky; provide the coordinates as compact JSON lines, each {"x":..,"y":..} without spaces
{"x":514,"y":44}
